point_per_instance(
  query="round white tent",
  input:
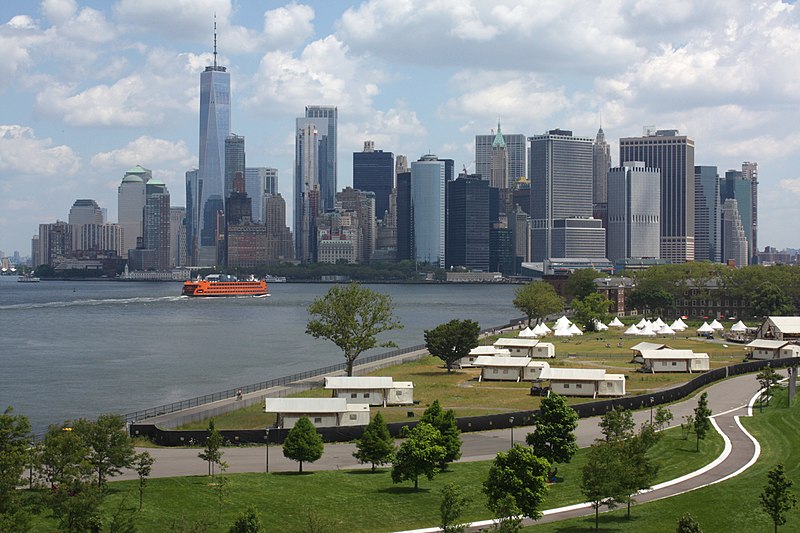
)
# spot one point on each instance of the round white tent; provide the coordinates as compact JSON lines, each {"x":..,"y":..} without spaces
{"x":642,"y":323}
{"x":705,"y":328}
{"x":562,"y":332}
{"x":599,"y":326}
{"x":616,"y":323}
{"x":682,"y":323}
{"x":716,"y":326}
{"x":665,"y":330}
{"x":538,"y":331}
{"x":545,"y":330}
{"x":575,"y":330}
{"x":658,"y":322}
{"x":677,"y":326}
{"x":647,"y":331}
{"x":527,"y":332}
{"x":739,"y":326}
{"x":633,"y":330}
{"x":563,"y":321}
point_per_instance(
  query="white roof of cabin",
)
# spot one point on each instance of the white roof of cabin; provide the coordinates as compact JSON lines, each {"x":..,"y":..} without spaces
{"x":488,"y":350}
{"x":358,"y":382}
{"x":489,"y":360}
{"x":669,"y":353}
{"x":573,"y":374}
{"x":648,"y":346}
{"x":614,"y":377}
{"x":787,"y":324}
{"x":516,"y":342}
{"x":767,"y":344}
{"x":403,"y":385}
{"x":306,"y":405}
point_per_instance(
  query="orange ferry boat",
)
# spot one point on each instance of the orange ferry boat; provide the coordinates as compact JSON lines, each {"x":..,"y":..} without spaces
{"x":225,"y":285}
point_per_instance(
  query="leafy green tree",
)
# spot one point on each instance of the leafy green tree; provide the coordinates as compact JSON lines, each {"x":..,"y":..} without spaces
{"x":770,"y":300}
{"x":303,"y":443}
{"x":507,"y":516}
{"x":687,"y":524}
{"x":109,"y":447}
{"x":452,"y":340}
{"x":766,"y":378}
{"x":248,"y":522}
{"x":420,"y":454}
{"x":650,"y":298}
{"x":777,"y":498}
{"x":580,"y":283}
{"x":554,"y":435}
{"x":663,"y":417}
{"x":639,"y":470}
{"x":76,"y":506}
{"x":14,"y":442}
{"x":352,"y":317}
{"x":537,"y":299}
{"x":143,"y":465}
{"x":451,"y":508}
{"x":520,"y":474}
{"x":617,"y":424}
{"x":376,"y":444}
{"x":62,"y":456}
{"x":702,"y":418}
{"x":590,"y":310}
{"x":447,"y":424}
{"x":600,"y":477}
{"x":212,"y":452}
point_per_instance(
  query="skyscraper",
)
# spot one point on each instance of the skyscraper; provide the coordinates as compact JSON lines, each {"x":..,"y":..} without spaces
{"x":328,"y":171}
{"x":674,"y":155}
{"x":634,"y":211}
{"x":259,"y":182}
{"x":362,"y":206}
{"x":735,"y":186}
{"x":373,"y":170}
{"x":156,"y":224}
{"x":177,"y":236}
{"x":215,"y":126}
{"x":309,"y":156}
{"x":707,"y":214}
{"x":405,"y":221}
{"x":467,"y":242}
{"x":428,"y":210}
{"x":734,"y":239}
{"x":561,"y":186}
{"x":750,"y":172}
{"x":234,"y":160}
{"x":193,"y":213}
{"x":85,"y":211}
{"x":498,"y":166}
{"x":279,"y":238}
{"x":131,"y":199}
{"x":516,"y":151}
{"x":601,"y":163}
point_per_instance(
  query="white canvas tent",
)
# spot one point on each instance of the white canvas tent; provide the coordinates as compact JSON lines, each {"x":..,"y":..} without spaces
{"x":739,"y":326}
{"x":716,"y":326}
{"x":527,"y":332}
{"x":544,"y":328}
{"x":641,"y":323}
{"x":599,"y":326}
{"x":658,"y":322}
{"x":705,"y":328}
{"x":647,"y":331}
{"x":665,"y":330}
{"x":562,"y":332}
{"x":538,"y":330}
{"x":563,"y":321}
{"x":575,"y":330}
{"x":677,"y":325}
{"x":616,"y":323}
{"x":682,"y":323}
{"x":633,"y":330}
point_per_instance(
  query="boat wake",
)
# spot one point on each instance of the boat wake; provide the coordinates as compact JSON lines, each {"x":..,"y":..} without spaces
{"x":92,"y":302}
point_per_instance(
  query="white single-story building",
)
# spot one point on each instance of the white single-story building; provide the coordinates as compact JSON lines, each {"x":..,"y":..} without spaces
{"x":669,"y":360}
{"x":323,"y":412}
{"x":771,"y":349}
{"x":468,"y":361}
{"x":506,"y":368}
{"x":372,"y":390}
{"x":780,"y":328}
{"x":637,"y":349}
{"x":591,"y":382}
{"x":516,"y":346}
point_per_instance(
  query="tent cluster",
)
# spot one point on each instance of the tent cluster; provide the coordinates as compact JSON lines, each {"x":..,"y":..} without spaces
{"x":646,"y":328}
{"x":716,"y":326}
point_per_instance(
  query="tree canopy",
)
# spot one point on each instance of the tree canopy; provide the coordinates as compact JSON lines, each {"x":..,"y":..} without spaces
{"x":521,"y":475}
{"x":421,"y":454}
{"x":537,"y":299}
{"x":452,"y":340}
{"x":590,"y":310}
{"x":14,"y":442}
{"x":303,"y":443}
{"x":447,"y":424}
{"x":770,"y":300}
{"x":702,"y":418}
{"x":212,"y":452}
{"x":376,"y":445}
{"x":600,"y":477}
{"x":617,"y":424}
{"x":777,"y":498}
{"x":554,"y":435}
{"x":109,"y":446}
{"x":580,"y":283}
{"x":352,"y":317}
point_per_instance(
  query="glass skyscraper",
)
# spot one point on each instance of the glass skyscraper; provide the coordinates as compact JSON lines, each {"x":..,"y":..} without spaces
{"x":428,"y":210}
{"x":327,"y":172}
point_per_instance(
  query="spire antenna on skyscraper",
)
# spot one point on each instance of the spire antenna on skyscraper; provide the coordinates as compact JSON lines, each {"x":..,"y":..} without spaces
{"x":215,"y":40}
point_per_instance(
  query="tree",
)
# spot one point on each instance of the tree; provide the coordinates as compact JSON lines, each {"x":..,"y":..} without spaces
{"x":650,"y":297}
{"x":421,"y":454}
{"x":537,"y":299}
{"x":554,"y":436}
{"x":451,"y":508}
{"x":109,"y":447}
{"x":617,"y":424}
{"x":600,"y":480}
{"x":447,"y":424}
{"x":14,"y":443}
{"x":777,"y":497}
{"x":638,"y":470}
{"x":452,"y":340}
{"x":62,"y":456}
{"x":212,"y":453}
{"x":770,"y":300}
{"x":76,"y":505}
{"x":352,"y":317}
{"x":520,"y":474}
{"x":303,"y":443}
{"x":687,"y":524}
{"x":507,"y":516}
{"x":143,"y":465}
{"x":590,"y":310}
{"x":248,"y":522}
{"x":766,"y":378}
{"x":376,"y":445}
{"x":663,"y":417}
{"x":702,"y":418}
{"x":580,"y":283}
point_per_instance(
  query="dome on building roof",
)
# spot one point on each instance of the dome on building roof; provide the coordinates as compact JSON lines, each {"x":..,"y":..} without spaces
{"x":156,"y":181}
{"x":132,"y":178}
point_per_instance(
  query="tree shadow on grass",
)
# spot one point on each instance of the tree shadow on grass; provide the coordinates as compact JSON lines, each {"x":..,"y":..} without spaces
{"x":306,"y":473}
{"x":367,"y":471}
{"x":608,"y":524}
{"x":404,"y":490}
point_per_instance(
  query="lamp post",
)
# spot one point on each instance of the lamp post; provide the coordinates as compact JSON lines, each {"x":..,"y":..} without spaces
{"x":266,"y":454}
{"x":511,"y":421}
{"x":651,"y":409}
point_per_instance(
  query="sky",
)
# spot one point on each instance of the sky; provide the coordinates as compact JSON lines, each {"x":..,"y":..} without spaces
{"x":91,"y":88}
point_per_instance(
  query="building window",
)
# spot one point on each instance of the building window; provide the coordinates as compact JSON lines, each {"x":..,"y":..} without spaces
{"x":505,"y":371}
{"x":579,"y":385}
{"x":674,"y":363}
{"x":353,"y":417}
{"x":366,"y":395}
{"x":318,"y":420}
{"x":353,"y":395}
{"x":609,"y":385}
{"x":566,"y":385}
{"x":398,"y":393}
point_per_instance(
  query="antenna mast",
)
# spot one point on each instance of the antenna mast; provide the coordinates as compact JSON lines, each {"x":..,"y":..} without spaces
{"x":215,"y":41}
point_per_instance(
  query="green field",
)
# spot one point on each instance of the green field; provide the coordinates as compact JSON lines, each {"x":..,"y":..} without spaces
{"x":729,"y":506}
{"x":461,"y":391}
{"x":355,"y":500}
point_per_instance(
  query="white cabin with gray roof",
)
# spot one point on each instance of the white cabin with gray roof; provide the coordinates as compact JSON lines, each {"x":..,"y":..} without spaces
{"x":526,"y":347}
{"x":371,"y":390}
{"x":469,"y":360}
{"x":669,"y":360}
{"x":323,"y":412}
{"x":586,"y":382}
{"x":499,"y":368}
{"x":772,"y":349}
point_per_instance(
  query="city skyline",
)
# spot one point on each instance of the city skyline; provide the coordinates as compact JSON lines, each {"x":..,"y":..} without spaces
{"x":96,"y":88}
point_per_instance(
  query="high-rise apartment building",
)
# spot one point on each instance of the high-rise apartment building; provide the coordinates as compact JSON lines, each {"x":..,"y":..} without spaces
{"x":83,"y":211}
{"x":328,"y":169}
{"x":467,"y":240}
{"x":154,"y":252}
{"x":310,"y":150}
{"x":520,"y":225}
{"x":131,"y":197}
{"x":55,"y":242}
{"x":373,"y":170}
{"x":561,"y":187}
{"x":734,"y":238}
{"x":215,"y":126}
{"x":177,"y":236}
{"x":634,"y":211}
{"x":673,"y":154}
{"x":707,"y":214}
{"x":750,"y":172}
{"x":428,"y":178}
{"x":361,"y":206}
{"x":235,"y":160}
{"x":192,"y":219}
{"x":280,"y":245}
{"x":516,"y":149}
{"x":259,"y":182}
{"x":405,"y":221}
{"x":735,"y":186}
{"x":103,"y":239}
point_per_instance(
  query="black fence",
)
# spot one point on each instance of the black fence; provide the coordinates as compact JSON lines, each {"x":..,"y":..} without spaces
{"x":467,"y":424}
{"x":277,"y":382}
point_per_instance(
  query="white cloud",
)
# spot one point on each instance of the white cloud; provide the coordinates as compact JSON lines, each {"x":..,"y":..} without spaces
{"x":59,"y":11}
{"x":22,"y":22}
{"x":174,"y":19}
{"x":147,"y":151}
{"x":23,"y":154}
{"x":288,"y":26}
{"x":791,"y":185}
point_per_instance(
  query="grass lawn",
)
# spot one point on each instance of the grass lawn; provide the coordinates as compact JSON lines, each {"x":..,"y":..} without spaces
{"x":729,"y":506}
{"x":350,"y":501}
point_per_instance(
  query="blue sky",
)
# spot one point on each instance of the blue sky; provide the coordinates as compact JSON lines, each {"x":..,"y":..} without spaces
{"x":91,"y":88}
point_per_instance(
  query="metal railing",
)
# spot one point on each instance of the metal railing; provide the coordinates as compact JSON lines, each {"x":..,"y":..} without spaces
{"x":276,"y":382}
